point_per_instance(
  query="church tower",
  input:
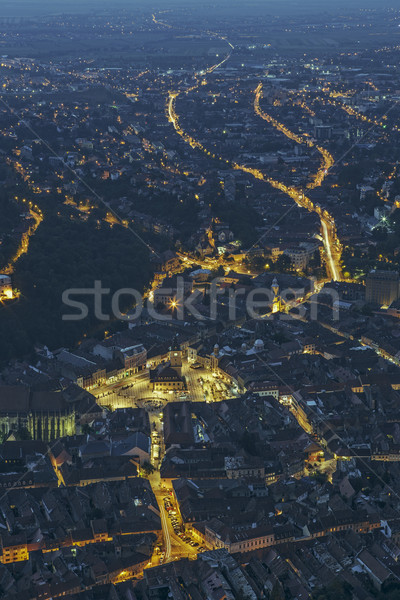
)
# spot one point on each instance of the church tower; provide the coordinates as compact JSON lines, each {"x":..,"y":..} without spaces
{"x":175,"y":356}
{"x":276,"y":305}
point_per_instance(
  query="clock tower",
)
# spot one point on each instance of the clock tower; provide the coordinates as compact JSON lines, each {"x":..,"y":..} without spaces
{"x":175,"y":356}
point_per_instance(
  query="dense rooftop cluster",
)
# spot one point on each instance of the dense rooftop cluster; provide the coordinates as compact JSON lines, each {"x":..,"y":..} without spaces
{"x":235,"y":434}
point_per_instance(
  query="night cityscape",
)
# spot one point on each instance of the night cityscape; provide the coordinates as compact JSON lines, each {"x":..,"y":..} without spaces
{"x":199,"y":300}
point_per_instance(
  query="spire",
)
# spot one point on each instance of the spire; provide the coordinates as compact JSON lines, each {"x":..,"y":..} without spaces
{"x":276,"y":305}
{"x":275,"y":286}
{"x":175,"y":345}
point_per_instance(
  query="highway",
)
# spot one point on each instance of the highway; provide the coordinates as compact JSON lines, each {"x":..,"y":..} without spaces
{"x":162,"y":23}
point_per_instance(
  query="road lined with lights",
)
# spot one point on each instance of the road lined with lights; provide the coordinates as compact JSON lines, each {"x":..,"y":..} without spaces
{"x":328,"y":230}
{"x":23,"y":247}
{"x":34,"y":212}
{"x":332,"y":245}
{"x":352,"y":112}
{"x":327,"y":158}
{"x":333,"y":248}
{"x":175,"y":547}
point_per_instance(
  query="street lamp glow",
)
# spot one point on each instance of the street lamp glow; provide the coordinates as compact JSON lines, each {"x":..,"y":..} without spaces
{"x":173,"y":304}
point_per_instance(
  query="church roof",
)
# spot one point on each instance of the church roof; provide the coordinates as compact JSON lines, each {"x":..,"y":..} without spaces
{"x":167,"y":374}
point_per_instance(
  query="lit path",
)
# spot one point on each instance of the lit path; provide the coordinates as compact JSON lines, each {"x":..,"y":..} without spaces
{"x":23,"y":247}
{"x":327,"y":158}
{"x":34,"y":212}
{"x":331,"y":259}
{"x":333,"y":248}
{"x":352,"y":112}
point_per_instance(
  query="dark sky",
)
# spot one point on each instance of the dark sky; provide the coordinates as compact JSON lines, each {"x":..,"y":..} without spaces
{"x":40,"y":7}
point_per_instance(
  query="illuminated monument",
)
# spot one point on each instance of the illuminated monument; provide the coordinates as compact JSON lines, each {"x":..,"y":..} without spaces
{"x":168,"y":376}
{"x":277,"y":303}
{"x":5,"y":287}
{"x":175,"y":357}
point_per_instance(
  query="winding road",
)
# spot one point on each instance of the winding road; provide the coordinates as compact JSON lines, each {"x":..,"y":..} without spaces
{"x":23,"y":247}
{"x":332,"y":246}
{"x":327,"y":158}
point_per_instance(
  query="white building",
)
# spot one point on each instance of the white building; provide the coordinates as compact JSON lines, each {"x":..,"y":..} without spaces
{"x":5,"y":287}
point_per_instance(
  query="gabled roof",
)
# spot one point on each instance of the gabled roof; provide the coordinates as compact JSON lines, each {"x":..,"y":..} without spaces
{"x":136,"y":440}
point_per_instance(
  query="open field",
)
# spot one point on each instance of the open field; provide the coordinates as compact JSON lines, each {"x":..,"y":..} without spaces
{"x":287,"y":42}
{"x":37,"y":42}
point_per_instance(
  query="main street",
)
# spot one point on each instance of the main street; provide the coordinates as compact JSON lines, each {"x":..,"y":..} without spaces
{"x":174,"y":546}
{"x":327,"y":158}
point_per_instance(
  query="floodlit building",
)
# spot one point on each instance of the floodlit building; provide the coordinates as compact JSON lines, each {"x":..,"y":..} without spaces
{"x":5,"y":287}
{"x":46,"y":415}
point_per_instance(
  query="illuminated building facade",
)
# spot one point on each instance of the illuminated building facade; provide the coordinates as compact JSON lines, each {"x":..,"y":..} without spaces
{"x":14,"y":548}
{"x":168,"y":376}
{"x":175,"y":357}
{"x":46,"y":415}
{"x":276,"y":305}
{"x":5,"y":287}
